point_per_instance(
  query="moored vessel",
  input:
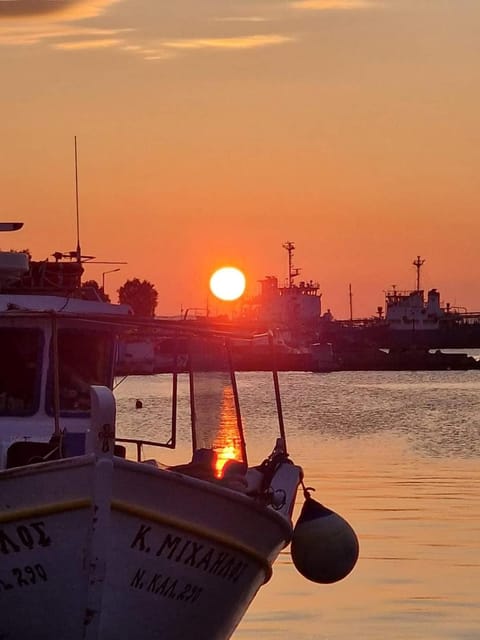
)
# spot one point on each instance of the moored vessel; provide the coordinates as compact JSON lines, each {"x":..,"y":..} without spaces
{"x":98,"y":543}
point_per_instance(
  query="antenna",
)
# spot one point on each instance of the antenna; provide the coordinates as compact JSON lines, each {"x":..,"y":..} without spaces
{"x":79,"y":253}
{"x":292,"y":271}
{"x":418,"y":264}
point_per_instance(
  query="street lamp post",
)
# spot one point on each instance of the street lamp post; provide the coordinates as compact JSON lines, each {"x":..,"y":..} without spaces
{"x":104,"y":274}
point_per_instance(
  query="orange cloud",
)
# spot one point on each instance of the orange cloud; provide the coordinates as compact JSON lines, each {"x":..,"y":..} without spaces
{"x":54,"y":23}
{"x":239,"y":42}
{"x":240,"y":19}
{"x":323,"y":5}
{"x":88,"y":44}
{"x":62,"y":9}
{"x":28,"y":35}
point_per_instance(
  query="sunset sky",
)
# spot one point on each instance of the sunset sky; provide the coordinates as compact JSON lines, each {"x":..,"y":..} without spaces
{"x":210,"y":132}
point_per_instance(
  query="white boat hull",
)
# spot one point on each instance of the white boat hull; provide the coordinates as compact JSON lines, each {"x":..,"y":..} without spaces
{"x":100,"y":547}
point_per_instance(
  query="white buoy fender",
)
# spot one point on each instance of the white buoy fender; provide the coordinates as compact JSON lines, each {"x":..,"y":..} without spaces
{"x":324,"y":546}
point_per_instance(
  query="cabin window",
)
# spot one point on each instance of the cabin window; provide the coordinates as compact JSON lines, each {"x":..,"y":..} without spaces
{"x":85,"y":359}
{"x":20,"y":370}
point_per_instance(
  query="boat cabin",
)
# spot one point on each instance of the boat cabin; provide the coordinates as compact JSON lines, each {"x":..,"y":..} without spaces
{"x":47,"y":367}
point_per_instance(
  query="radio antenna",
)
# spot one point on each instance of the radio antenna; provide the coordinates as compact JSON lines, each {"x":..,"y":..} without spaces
{"x":79,"y":253}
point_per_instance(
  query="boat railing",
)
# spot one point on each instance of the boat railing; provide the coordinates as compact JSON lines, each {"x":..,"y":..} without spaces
{"x":139,"y":443}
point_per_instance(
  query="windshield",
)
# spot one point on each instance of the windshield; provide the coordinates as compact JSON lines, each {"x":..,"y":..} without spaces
{"x":85,"y":359}
{"x":216,"y":420}
{"x":20,"y":367}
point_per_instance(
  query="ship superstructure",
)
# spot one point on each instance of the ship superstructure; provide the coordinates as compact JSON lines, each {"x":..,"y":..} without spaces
{"x":408,"y":310}
{"x":292,"y":305}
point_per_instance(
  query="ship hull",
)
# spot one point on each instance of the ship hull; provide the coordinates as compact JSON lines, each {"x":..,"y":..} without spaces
{"x":104,"y":548}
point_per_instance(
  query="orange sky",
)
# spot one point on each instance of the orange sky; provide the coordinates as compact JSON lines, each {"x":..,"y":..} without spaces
{"x":212,"y":132}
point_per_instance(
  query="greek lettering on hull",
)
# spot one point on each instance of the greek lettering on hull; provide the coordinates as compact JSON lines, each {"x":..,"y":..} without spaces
{"x":28,"y":536}
{"x":190,"y":553}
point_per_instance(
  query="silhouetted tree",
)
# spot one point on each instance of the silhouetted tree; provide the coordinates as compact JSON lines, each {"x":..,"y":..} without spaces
{"x":141,"y":296}
{"x":27,"y":251}
{"x":91,"y":290}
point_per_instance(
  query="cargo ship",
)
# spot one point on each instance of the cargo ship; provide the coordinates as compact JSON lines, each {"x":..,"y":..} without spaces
{"x":411,"y":320}
{"x":307,"y":339}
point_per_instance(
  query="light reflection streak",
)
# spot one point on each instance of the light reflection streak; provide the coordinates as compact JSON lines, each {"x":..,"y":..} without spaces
{"x":227,"y":443}
{"x":216,"y":423}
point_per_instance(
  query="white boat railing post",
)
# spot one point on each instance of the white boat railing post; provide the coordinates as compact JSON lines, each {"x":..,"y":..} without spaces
{"x":100,"y":437}
{"x":100,"y":440}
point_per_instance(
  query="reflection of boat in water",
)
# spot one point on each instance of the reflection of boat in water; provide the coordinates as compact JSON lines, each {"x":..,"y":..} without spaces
{"x":96,"y":545}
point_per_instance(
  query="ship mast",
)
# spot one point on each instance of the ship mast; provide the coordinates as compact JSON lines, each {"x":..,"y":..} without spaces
{"x":292,"y":271}
{"x":418,"y":265}
{"x":77,"y":211}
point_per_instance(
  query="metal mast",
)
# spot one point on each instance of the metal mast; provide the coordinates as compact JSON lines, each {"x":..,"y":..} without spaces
{"x":292,"y":271}
{"x":418,"y":265}
{"x":79,"y":252}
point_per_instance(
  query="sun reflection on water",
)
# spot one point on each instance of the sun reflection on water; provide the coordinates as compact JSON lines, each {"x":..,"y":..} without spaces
{"x":227,"y":443}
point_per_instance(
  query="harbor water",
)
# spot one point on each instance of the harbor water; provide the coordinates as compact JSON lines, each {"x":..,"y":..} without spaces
{"x":398,"y":455}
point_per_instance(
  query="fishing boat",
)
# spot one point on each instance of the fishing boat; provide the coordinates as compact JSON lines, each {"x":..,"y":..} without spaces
{"x":96,"y":543}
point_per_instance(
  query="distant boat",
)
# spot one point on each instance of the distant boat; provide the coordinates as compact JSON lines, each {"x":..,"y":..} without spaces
{"x":409,"y":310}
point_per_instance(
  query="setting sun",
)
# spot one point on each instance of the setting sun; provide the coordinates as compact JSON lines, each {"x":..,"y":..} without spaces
{"x":227,"y":283}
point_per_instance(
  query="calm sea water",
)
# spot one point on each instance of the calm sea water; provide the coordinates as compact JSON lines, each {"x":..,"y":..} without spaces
{"x":398,"y":455}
